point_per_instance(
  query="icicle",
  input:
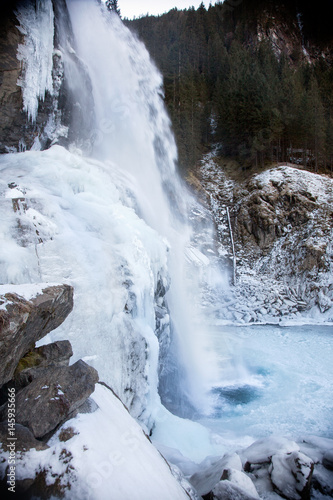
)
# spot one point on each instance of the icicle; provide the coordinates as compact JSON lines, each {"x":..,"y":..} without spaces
{"x":232,"y":246}
{"x":36,"y":54}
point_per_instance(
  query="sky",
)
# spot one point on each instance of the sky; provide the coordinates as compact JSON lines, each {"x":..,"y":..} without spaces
{"x":131,"y":8}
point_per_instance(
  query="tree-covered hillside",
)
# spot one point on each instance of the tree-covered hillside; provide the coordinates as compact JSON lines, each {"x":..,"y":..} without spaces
{"x":255,"y":76}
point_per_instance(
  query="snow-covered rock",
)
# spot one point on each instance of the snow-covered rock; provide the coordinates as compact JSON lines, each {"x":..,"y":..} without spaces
{"x":240,"y":479}
{"x":322,"y":480}
{"x":261,"y":451}
{"x":282,"y":232}
{"x":226,"y":490}
{"x":291,"y":475}
{"x":328,"y":459}
{"x":209,"y":475}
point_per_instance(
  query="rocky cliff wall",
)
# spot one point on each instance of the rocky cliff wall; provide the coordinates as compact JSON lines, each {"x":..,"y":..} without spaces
{"x":62,"y":114}
{"x":282,"y":225}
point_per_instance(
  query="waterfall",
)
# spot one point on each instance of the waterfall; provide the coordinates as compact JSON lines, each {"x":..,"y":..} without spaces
{"x":110,"y":215}
{"x":132,"y":129}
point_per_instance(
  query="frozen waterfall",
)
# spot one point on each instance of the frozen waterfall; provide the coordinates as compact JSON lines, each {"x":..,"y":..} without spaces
{"x":111,"y":217}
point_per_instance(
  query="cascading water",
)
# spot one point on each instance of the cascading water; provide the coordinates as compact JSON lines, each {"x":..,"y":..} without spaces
{"x":114,"y":225}
{"x":110,"y":216}
{"x":133,"y":130}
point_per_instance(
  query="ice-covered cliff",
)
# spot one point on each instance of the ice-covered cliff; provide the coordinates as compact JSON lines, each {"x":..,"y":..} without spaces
{"x":109,"y":214}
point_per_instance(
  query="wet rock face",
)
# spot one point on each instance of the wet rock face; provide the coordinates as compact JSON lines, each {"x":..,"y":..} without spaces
{"x":24,"y":322}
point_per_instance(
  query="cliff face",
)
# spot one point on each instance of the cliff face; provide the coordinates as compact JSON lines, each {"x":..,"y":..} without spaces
{"x":59,"y":114}
{"x":13,"y":121}
{"x":281,"y":222}
{"x":283,"y":225}
{"x":287,"y":31}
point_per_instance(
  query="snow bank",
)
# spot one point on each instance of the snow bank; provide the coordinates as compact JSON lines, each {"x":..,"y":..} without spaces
{"x":27,"y":291}
{"x":108,"y":456}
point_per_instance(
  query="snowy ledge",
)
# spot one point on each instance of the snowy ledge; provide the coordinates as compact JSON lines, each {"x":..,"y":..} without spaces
{"x":27,"y":291}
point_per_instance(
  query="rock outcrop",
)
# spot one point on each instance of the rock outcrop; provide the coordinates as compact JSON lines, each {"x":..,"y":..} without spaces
{"x":281,"y":222}
{"x":46,"y":356}
{"x":23,"y":322}
{"x":291,"y":475}
{"x":47,"y":391}
{"x":52,"y":396}
{"x":290,"y":204}
{"x":25,"y":438}
{"x":60,"y":117}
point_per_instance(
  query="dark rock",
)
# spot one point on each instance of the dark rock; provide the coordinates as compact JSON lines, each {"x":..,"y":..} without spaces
{"x":24,"y":322}
{"x":322,"y":480}
{"x":41,"y":488}
{"x":24,"y":438}
{"x":328,"y":459}
{"x":12,"y":120}
{"x":67,"y":434}
{"x":291,"y":475}
{"x":55,"y":354}
{"x":51,"y":397}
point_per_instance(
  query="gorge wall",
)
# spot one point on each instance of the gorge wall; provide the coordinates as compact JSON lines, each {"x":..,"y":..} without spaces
{"x":56,"y":112}
{"x":281,"y":222}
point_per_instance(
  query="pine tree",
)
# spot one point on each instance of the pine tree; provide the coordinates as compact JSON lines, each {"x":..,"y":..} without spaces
{"x":112,"y":5}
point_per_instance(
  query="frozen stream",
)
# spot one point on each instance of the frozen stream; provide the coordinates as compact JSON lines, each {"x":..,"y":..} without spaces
{"x":272,"y":380}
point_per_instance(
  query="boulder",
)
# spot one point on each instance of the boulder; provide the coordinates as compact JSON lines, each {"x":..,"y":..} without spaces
{"x":322,"y":480}
{"x":25,"y":321}
{"x":226,"y":490}
{"x":240,"y":479}
{"x":30,"y":366}
{"x":291,"y":475}
{"x":25,"y":440}
{"x":262,"y":450}
{"x":51,"y":397}
{"x":209,"y":475}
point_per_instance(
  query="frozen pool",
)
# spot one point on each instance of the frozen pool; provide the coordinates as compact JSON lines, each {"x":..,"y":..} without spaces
{"x":272,"y":380}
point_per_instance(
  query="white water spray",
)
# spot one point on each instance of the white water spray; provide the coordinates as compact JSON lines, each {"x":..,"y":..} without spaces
{"x":134,"y":131}
{"x":114,"y":225}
